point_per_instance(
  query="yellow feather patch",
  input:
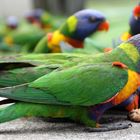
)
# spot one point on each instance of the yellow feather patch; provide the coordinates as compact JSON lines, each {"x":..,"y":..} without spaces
{"x":125,"y":36}
{"x":131,"y":51}
{"x":72,"y":22}
{"x":57,"y":37}
{"x":55,"y":41}
{"x":8,"y":40}
{"x":130,"y":87}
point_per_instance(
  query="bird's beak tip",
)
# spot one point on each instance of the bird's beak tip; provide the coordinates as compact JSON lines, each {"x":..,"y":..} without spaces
{"x":104,"y":26}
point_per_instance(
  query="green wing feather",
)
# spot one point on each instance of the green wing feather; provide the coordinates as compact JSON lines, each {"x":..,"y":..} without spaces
{"x":19,"y":76}
{"x":47,"y":57}
{"x":15,"y":70}
{"x":26,"y":34}
{"x":117,"y":54}
{"x":83,"y":85}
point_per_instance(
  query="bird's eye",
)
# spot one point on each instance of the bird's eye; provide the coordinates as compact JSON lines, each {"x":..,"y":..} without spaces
{"x":92,"y":19}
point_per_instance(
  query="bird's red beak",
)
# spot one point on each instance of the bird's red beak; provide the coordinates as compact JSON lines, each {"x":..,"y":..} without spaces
{"x":104,"y":26}
{"x":136,"y":12}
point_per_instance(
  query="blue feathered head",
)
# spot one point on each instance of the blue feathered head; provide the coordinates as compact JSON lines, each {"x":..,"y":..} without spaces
{"x":84,"y":23}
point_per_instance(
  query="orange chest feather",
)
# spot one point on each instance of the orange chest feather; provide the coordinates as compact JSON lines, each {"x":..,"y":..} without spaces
{"x":131,"y":86}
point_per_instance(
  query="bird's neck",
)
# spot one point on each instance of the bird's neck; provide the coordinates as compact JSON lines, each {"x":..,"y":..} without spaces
{"x":75,"y":43}
{"x":70,"y":30}
{"x":131,"y":51}
{"x":57,"y":37}
{"x":129,"y":55}
{"x":126,"y":36}
{"x":69,"y":27}
{"x":126,"y":54}
{"x":134,"y":26}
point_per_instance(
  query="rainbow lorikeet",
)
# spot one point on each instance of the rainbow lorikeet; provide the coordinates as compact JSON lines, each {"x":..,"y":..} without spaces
{"x":63,"y":90}
{"x":25,"y":37}
{"x":41,"y":18}
{"x":8,"y":25}
{"x":76,"y":28}
{"x":134,"y":24}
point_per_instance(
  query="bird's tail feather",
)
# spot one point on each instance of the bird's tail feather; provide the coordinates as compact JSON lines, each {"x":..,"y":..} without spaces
{"x":22,"y":109}
{"x":14,"y":111}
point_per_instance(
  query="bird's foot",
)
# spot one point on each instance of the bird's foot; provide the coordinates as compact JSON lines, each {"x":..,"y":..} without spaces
{"x":104,"y":128}
{"x":134,"y":115}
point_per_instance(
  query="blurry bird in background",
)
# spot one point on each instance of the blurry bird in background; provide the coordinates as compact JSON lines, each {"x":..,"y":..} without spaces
{"x":74,"y":31}
{"x":134,"y":24}
{"x":7,"y":26}
{"x":42,"y":19}
{"x":25,"y":36}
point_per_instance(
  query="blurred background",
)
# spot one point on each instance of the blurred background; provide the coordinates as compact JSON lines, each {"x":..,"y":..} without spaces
{"x":18,"y":8}
{"x":117,"y":12}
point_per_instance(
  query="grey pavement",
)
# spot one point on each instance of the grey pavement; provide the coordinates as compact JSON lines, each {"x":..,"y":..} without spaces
{"x":40,"y":129}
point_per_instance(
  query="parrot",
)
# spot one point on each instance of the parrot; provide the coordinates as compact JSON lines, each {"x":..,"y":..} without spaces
{"x":8,"y":25}
{"x":12,"y":22}
{"x":25,"y":37}
{"x":74,"y":31}
{"x":134,"y":24}
{"x":34,"y":16}
{"x":41,"y":18}
{"x":85,"y":86}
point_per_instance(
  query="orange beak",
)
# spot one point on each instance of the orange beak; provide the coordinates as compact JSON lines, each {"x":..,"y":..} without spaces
{"x":136,"y":12}
{"x":104,"y":26}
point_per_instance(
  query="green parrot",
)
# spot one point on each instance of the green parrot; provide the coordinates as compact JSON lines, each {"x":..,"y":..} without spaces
{"x":8,"y":25}
{"x":43,"y":19}
{"x":80,"y":89}
{"x":25,"y":37}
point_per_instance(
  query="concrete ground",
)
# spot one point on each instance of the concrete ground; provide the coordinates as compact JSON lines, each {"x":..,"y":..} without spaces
{"x":40,"y":129}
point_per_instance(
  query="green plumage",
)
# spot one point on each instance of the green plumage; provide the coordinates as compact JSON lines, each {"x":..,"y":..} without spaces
{"x":70,"y":82}
{"x":70,"y":86}
{"x":26,"y":36}
{"x":22,"y":75}
{"x":42,"y":46}
{"x":75,"y":113}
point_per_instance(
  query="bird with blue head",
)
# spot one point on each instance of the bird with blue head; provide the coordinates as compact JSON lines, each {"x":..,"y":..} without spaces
{"x":74,"y":31}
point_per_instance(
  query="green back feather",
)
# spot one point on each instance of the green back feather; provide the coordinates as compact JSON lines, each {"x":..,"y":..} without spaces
{"x":84,"y":85}
{"x":22,"y":75}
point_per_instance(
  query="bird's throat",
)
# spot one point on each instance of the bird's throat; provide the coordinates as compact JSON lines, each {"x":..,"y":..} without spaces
{"x":57,"y":37}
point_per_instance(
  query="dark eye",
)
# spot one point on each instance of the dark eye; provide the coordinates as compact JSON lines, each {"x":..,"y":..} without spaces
{"x":92,"y":19}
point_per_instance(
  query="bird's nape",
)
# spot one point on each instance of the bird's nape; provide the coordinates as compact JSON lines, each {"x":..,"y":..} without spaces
{"x":135,"y":40}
